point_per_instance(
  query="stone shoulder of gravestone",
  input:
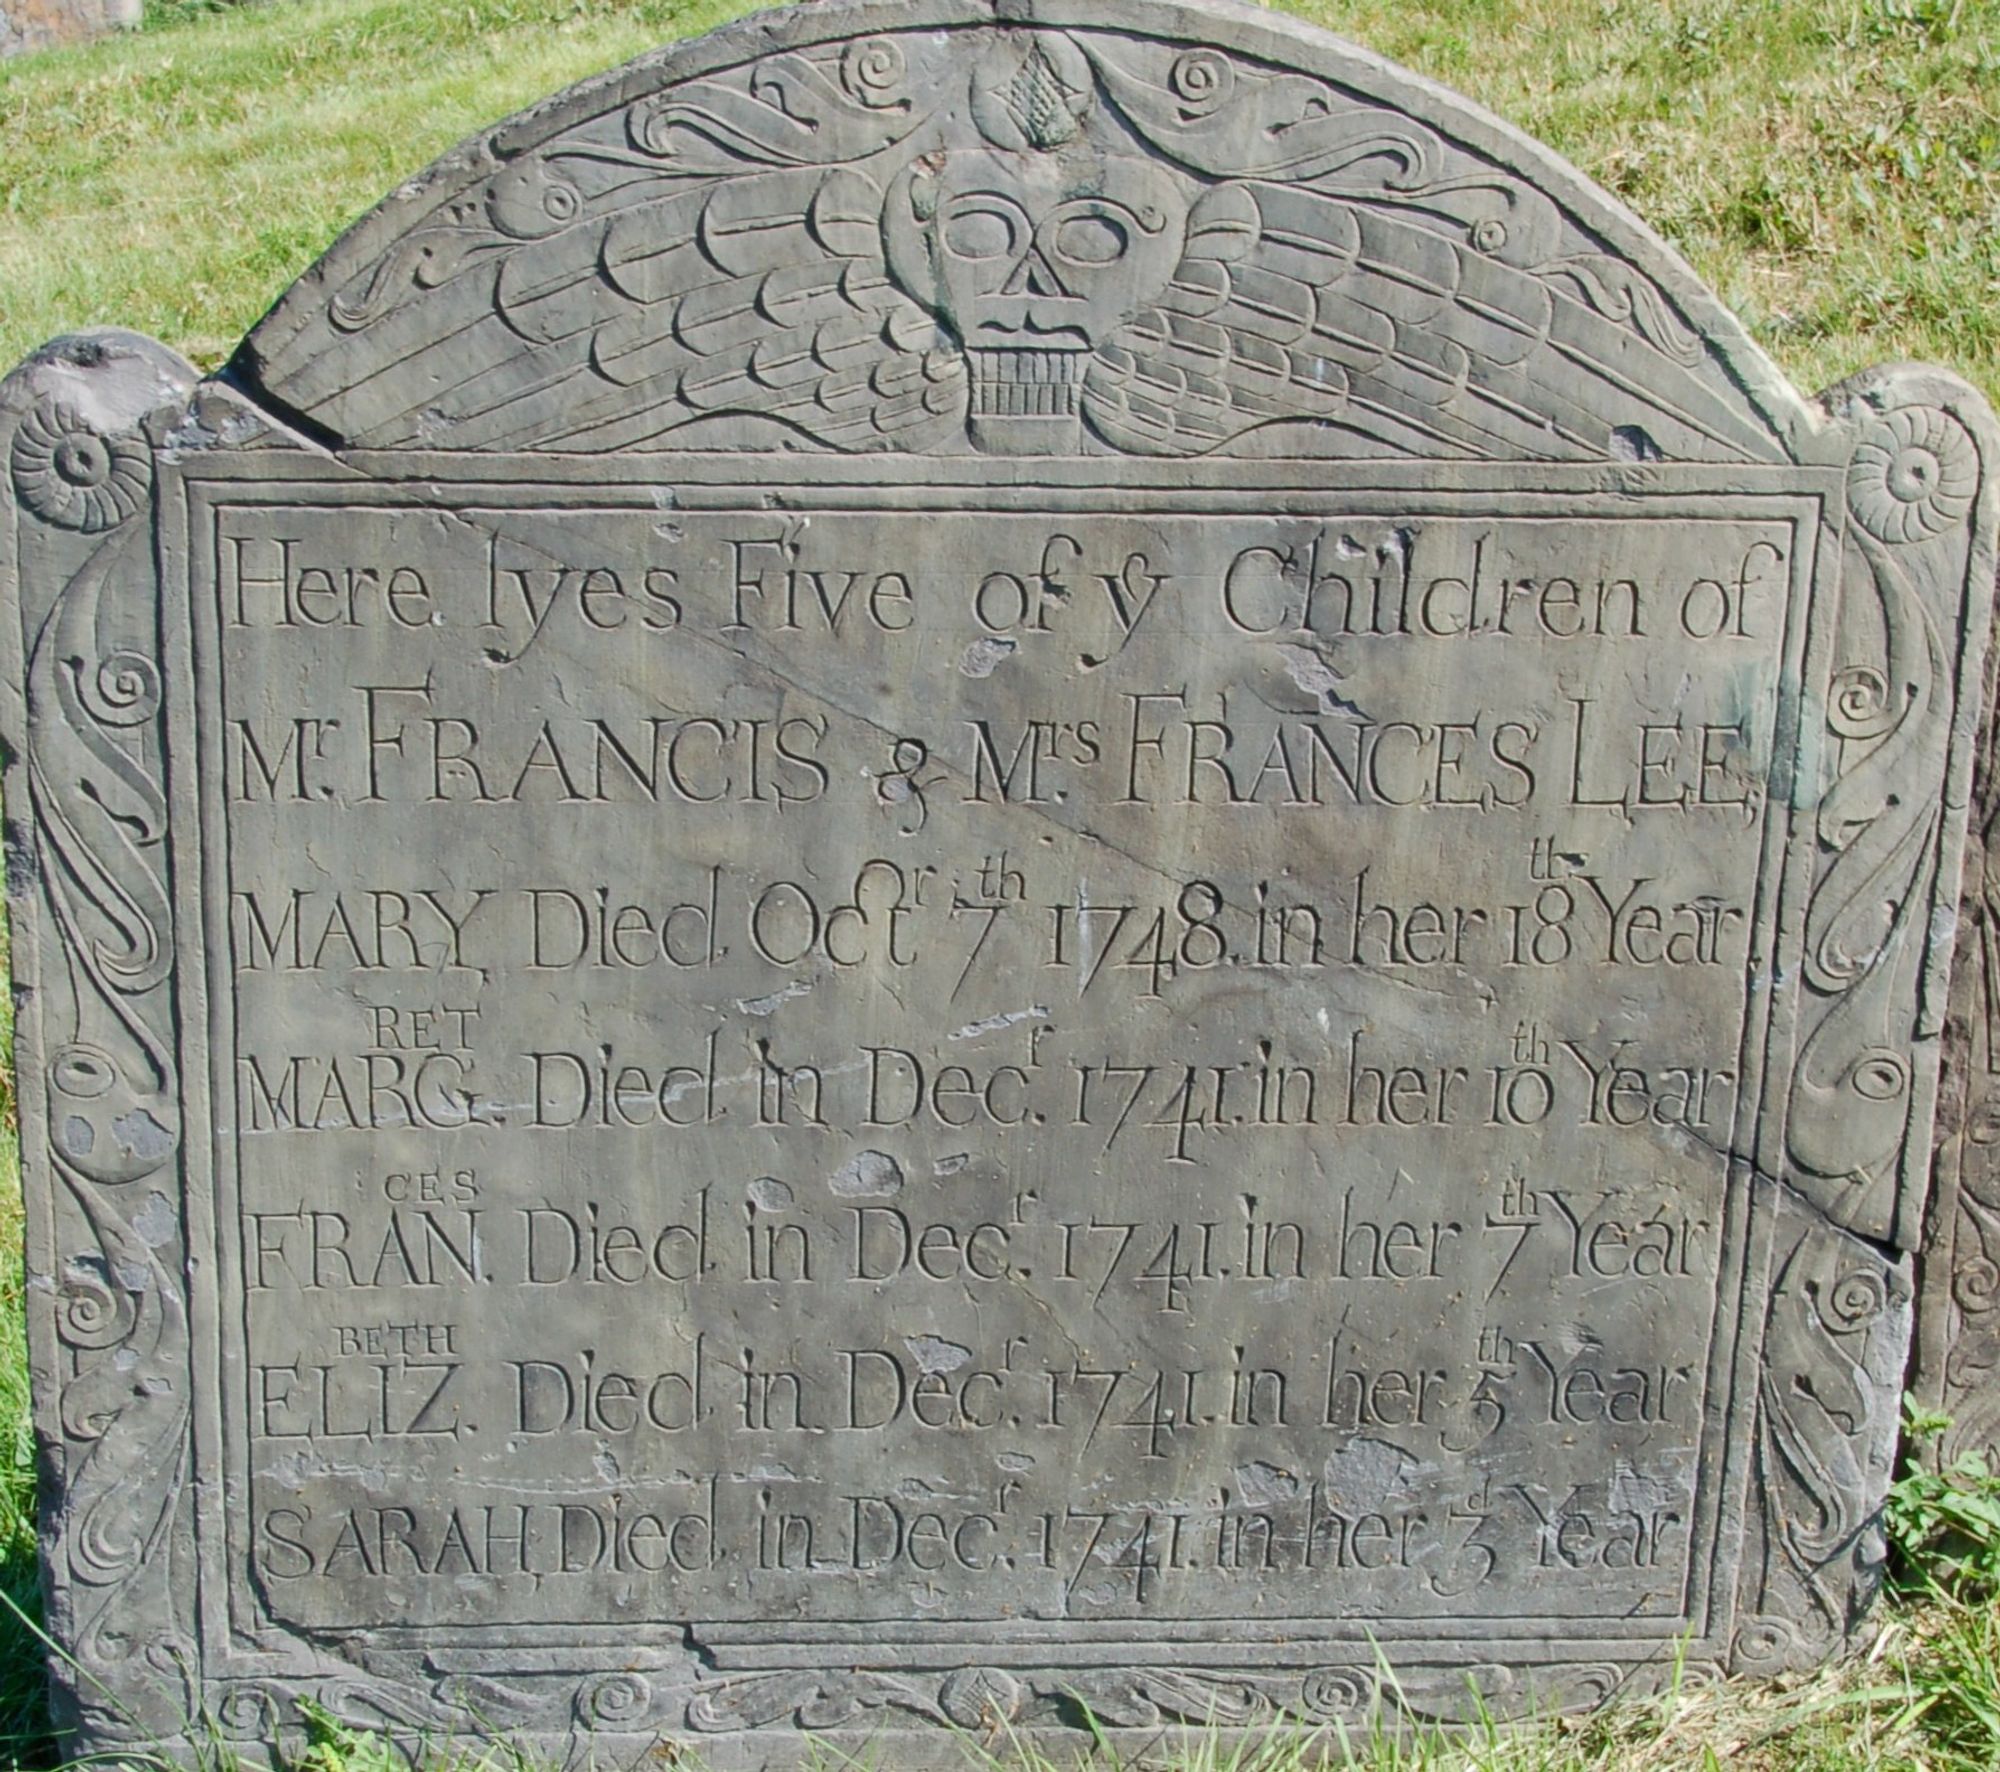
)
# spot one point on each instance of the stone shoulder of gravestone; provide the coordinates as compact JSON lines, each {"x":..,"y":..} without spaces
{"x":45,"y":24}
{"x":955,"y":867}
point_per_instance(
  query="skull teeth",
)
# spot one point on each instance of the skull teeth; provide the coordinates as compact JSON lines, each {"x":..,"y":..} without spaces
{"x":1026,"y":384}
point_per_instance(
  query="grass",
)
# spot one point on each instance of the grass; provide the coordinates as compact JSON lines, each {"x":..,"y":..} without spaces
{"x":23,"y":1706}
{"x":1831,"y":167}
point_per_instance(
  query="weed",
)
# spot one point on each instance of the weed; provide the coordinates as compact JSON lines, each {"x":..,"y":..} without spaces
{"x":1944,"y":1524}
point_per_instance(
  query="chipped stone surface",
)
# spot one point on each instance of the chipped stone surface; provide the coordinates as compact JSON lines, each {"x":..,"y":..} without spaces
{"x":952,"y":864}
{"x":43,"y":24}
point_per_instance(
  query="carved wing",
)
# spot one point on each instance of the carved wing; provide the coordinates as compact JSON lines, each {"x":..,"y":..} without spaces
{"x":1299,"y":304}
{"x":1353,"y":282}
{"x":713,"y":265}
{"x":1350,"y":270}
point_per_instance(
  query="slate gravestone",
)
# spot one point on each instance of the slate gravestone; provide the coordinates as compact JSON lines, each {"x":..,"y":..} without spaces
{"x":44,"y":24}
{"x":953,"y":867}
{"x":1958,"y":1319}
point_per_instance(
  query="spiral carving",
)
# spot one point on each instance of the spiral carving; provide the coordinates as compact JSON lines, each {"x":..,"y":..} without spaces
{"x":1859,"y":705}
{"x":873,"y":72}
{"x":1335,"y":1692}
{"x":615,"y":1701}
{"x":1976,"y":1285}
{"x":1854,"y":1301}
{"x":1765,"y":1644}
{"x":123,"y":691}
{"x":1203,"y":81}
{"x":93,"y":1315}
{"x":250,"y":1713}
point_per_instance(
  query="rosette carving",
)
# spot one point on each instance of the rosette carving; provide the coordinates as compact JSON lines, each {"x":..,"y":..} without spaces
{"x":873,"y":73}
{"x":980,"y":1698}
{"x":74,"y":475}
{"x":1913,"y":476}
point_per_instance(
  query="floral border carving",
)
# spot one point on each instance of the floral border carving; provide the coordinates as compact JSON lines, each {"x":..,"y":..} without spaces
{"x":640,"y":1705}
{"x":1870,"y":1009}
{"x":1832,"y":1350}
{"x":91,"y":857}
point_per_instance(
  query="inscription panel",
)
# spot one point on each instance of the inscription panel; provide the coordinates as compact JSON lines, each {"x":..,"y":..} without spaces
{"x":827,"y":1070}
{"x":933,"y":873}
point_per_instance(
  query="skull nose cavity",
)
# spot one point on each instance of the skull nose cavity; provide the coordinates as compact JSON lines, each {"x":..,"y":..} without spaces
{"x":1035,"y":276}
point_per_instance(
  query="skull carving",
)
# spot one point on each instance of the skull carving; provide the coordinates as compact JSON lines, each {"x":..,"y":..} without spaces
{"x":1034,"y":250}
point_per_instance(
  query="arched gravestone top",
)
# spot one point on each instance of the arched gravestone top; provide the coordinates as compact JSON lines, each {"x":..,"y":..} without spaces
{"x":953,"y":867}
{"x":1284,"y":246}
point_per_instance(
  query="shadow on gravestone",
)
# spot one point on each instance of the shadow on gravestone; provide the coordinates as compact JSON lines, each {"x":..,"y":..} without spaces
{"x":955,"y":867}
{"x":1958,"y":1332}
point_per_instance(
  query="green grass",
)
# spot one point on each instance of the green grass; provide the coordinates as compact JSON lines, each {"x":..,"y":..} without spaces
{"x":1831,"y":167}
{"x":23,"y":1709}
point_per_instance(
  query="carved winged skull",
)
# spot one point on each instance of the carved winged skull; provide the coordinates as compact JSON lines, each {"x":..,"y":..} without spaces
{"x":1012,"y":242}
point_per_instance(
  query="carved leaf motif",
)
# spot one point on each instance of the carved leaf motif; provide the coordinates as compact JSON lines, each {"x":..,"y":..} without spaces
{"x":1204,"y":1698}
{"x":1851,"y":1091}
{"x":812,"y":1700}
{"x":1619,"y":293}
{"x":787,"y":112}
{"x":1825,"y":1422}
{"x":1221,"y":118}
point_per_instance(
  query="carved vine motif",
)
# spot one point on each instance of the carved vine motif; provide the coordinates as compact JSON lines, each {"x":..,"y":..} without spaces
{"x":984,"y":1701}
{"x":1023,"y":241}
{"x":98,"y":816}
{"x":1907,"y":485}
{"x":1827,"y":1403}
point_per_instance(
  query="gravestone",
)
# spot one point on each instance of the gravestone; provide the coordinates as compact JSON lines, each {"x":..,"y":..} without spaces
{"x":954,"y":867}
{"x":45,"y":24}
{"x":1957,"y":1365}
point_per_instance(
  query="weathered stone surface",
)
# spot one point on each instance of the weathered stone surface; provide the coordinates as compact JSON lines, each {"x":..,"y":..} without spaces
{"x":948,"y":866}
{"x":43,"y":24}
{"x":1958,"y":1318}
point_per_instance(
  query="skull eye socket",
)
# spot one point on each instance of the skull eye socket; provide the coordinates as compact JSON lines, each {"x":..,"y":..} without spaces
{"x":1091,"y":239}
{"x":982,"y":231}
